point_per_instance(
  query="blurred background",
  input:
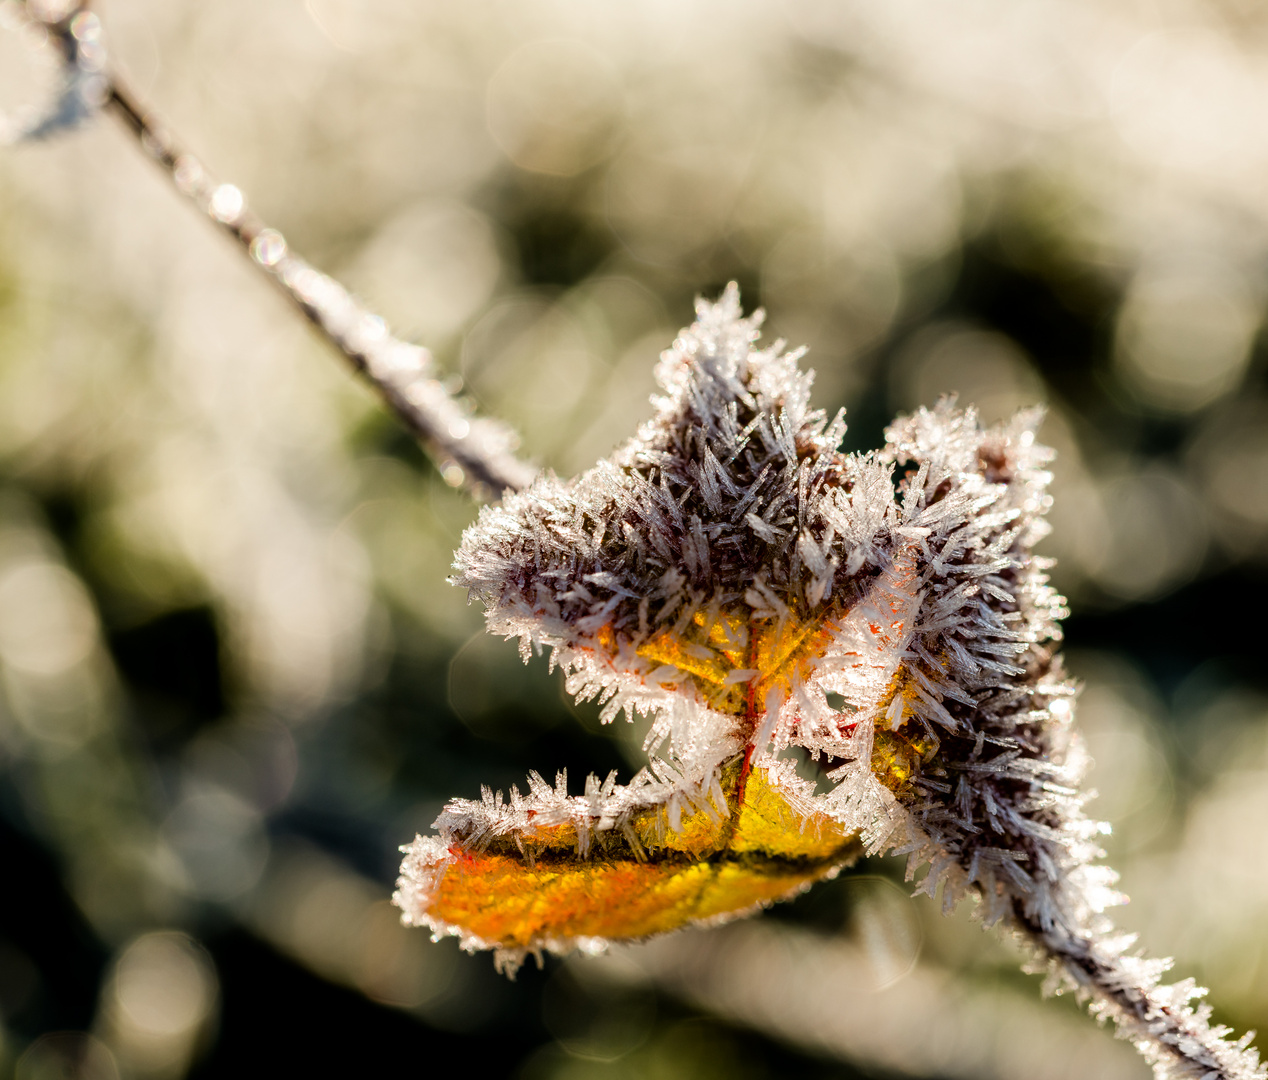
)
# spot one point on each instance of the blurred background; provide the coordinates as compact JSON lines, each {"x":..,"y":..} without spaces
{"x":233,"y":679}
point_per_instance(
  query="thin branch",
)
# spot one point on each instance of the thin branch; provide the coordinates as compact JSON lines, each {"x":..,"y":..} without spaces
{"x":1160,"y":1020}
{"x":471,"y":452}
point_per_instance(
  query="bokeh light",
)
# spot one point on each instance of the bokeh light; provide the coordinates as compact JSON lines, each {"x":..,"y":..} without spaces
{"x":161,"y":1003}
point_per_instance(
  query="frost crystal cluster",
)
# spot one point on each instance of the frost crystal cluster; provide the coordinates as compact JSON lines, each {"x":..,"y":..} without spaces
{"x":732,"y":575}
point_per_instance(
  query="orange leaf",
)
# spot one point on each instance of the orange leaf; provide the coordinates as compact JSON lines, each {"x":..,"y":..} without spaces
{"x":529,"y":889}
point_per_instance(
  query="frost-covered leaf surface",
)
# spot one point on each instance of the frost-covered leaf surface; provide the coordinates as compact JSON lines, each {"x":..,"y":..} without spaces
{"x":549,"y":871}
{"x":732,"y":575}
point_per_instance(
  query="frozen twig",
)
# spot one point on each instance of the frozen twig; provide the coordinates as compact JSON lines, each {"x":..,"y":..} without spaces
{"x":1160,"y":1020}
{"x":471,"y":452}
{"x":76,"y":34}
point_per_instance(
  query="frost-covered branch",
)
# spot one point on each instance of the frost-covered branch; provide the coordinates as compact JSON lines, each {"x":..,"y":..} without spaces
{"x":1160,"y":1020}
{"x":470,"y":451}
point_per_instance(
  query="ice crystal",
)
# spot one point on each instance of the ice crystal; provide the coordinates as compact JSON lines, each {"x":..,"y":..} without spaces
{"x":731,"y":574}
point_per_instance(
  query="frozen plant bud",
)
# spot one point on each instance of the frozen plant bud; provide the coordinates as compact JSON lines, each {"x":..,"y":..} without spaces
{"x":733,"y":575}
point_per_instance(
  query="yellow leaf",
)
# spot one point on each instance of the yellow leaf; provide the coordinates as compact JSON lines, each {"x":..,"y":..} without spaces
{"x":643,"y":878}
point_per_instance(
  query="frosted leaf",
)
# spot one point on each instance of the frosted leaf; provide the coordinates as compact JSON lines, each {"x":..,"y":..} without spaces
{"x":724,"y":572}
